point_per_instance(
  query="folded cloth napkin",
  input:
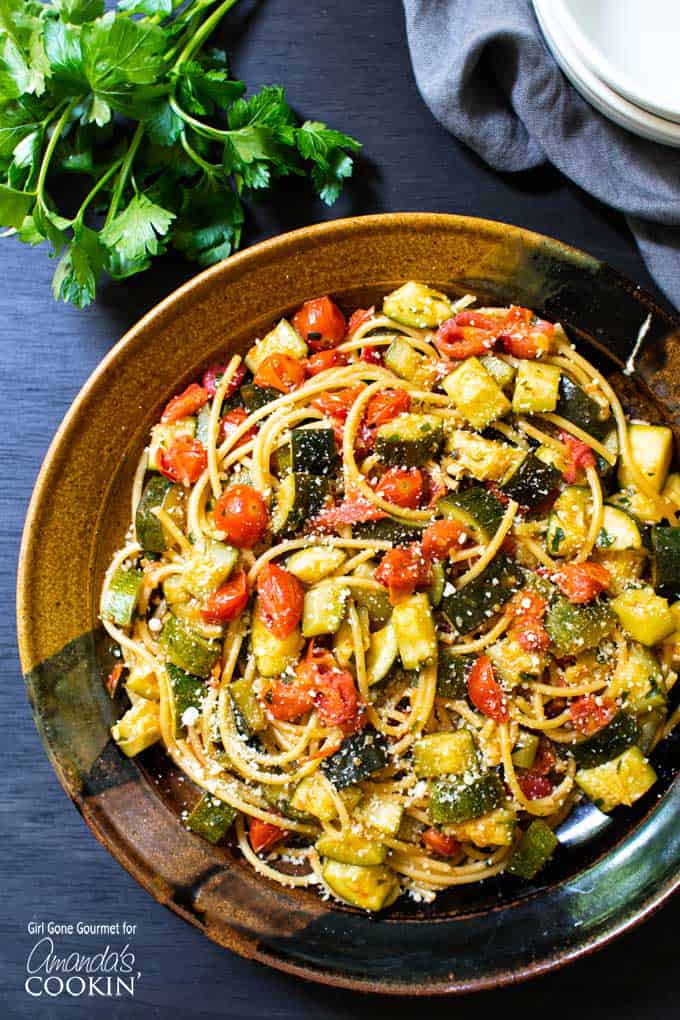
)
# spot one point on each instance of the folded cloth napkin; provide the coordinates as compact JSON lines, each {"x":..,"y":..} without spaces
{"x":486,"y":73}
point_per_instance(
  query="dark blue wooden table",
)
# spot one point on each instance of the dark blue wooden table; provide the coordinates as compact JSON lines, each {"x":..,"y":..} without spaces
{"x":346,"y":63}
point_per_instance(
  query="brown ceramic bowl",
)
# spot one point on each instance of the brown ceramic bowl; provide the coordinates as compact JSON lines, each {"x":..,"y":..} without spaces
{"x":474,"y":937}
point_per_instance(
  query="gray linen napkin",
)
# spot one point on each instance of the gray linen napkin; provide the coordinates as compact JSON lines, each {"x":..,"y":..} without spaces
{"x":486,"y":73}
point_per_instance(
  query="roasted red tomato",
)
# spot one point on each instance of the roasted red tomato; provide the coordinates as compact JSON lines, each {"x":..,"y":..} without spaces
{"x":582,"y":582}
{"x":337,"y":403}
{"x":189,"y":402}
{"x":401,"y":571}
{"x":337,"y":701}
{"x":358,"y":317}
{"x":528,"y":603}
{"x":385,"y":406}
{"x":534,"y":786}
{"x":184,"y":461}
{"x":263,"y":836}
{"x":580,"y":457}
{"x":467,"y":334}
{"x":228,"y":601}
{"x":287,"y":699}
{"x":590,"y":713}
{"x":401,"y":486}
{"x":485,"y":692}
{"x":280,"y":372}
{"x":241,"y":514}
{"x":213,"y":376}
{"x":528,"y":609}
{"x":442,"y":538}
{"x":438,"y":843}
{"x":281,"y":598}
{"x":525,"y":336}
{"x":324,"y":360}
{"x":373,"y":354}
{"x":233,"y":420}
{"x":320,"y":323}
{"x":353,"y":510}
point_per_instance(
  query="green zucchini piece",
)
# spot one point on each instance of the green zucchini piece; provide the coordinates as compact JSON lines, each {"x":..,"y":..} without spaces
{"x":620,"y":781}
{"x":577,"y":407}
{"x":439,"y":754}
{"x":569,"y":521}
{"x":436,"y":589}
{"x":452,"y":673}
{"x":367,"y":888}
{"x":299,"y":498}
{"x":247,"y":708}
{"x":187,"y":691}
{"x":641,"y":507}
{"x":121,"y":596}
{"x":312,"y":798}
{"x":515,"y":664}
{"x":402,"y":359}
{"x":609,"y":742}
{"x":652,"y":450}
{"x":486,"y":460}
{"x":477,"y":509}
{"x":415,"y":631}
{"x":209,"y":567}
{"x":458,"y":799}
{"x":481,"y":598}
{"x":313,"y":564}
{"x":187,"y":649}
{"x":666,"y":563}
{"x":534,"y":850}
{"x":644,"y":615}
{"x":138,"y":729}
{"x":532,"y":482}
{"x":352,"y":850}
{"x":382,"y":653}
{"x":497,"y":828}
{"x":501,"y":371}
{"x":638,"y":682}
{"x":387,"y":529}
{"x":358,"y":757}
{"x":273,"y":655}
{"x":476,"y":393}
{"x":381,"y":813}
{"x":524,"y":752}
{"x":414,"y":304}
{"x":211,"y":818}
{"x":536,"y":387}
{"x":573,"y":629}
{"x":409,"y":440}
{"x":254,"y":397}
{"x":619,"y":531}
{"x":314,"y":451}
{"x":375,"y":601}
{"x":324,"y":608}
{"x":280,"y":798}
{"x":282,"y":339}
{"x":158,"y":492}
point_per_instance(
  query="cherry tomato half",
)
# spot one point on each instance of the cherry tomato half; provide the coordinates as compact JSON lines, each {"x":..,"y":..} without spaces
{"x":525,"y":336}
{"x":241,"y":514}
{"x":401,"y":571}
{"x":591,"y":712}
{"x":189,"y":402}
{"x":358,"y":317}
{"x":280,"y":372}
{"x":580,"y":456}
{"x":281,"y":599}
{"x":385,"y":406}
{"x":184,"y":461}
{"x":324,"y":360}
{"x":533,"y":786}
{"x":438,"y":843}
{"x":442,"y":538}
{"x":582,"y":582}
{"x":232,"y":421}
{"x":213,"y":376}
{"x":337,"y":700}
{"x":228,"y":601}
{"x":320,"y":323}
{"x":263,"y":835}
{"x":485,"y":692}
{"x":401,"y":486}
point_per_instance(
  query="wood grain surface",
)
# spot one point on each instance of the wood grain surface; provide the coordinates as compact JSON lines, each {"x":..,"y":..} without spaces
{"x":346,"y":63}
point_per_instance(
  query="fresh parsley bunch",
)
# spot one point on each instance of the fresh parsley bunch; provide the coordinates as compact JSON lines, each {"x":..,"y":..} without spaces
{"x":168,"y":145}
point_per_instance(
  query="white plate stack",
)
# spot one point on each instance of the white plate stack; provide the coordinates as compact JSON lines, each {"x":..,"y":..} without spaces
{"x":623,"y":56}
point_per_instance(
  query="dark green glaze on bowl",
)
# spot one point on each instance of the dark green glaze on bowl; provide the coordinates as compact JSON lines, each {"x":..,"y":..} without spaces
{"x":472,"y":937}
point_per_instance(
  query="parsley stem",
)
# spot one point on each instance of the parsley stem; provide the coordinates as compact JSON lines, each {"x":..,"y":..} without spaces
{"x":209,"y":168}
{"x":51,"y":146}
{"x":124,"y":173}
{"x":208,"y":26}
{"x":199,"y":128}
{"x":100,"y":184}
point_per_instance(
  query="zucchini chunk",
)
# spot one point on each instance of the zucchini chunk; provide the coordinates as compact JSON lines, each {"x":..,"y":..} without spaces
{"x":375,"y":601}
{"x":452,"y":673}
{"x":211,"y":818}
{"x":666,"y":563}
{"x":514,"y":663}
{"x":483,"y":459}
{"x":573,"y":629}
{"x":143,"y":682}
{"x":652,"y":450}
{"x":439,"y":754}
{"x":534,"y":850}
{"x":476,"y":393}
{"x":387,"y":529}
{"x":313,"y":564}
{"x":121,"y":596}
{"x":524,"y":753}
{"x":568,"y":522}
{"x":273,"y":655}
{"x":282,"y":339}
{"x":408,"y":363}
{"x":314,"y":451}
{"x":536,"y":387}
{"x":622,"y":780}
{"x":138,"y":729}
{"x":299,"y":498}
{"x":409,"y":440}
{"x":493,"y":829}
{"x":609,"y":742}
{"x":367,"y":888}
{"x":577,"y":407}
{"x":324,"y":608}
{"x":357,"y":758}
{"x":415,"y":631}
{"x":619,"y":531}
{"x":638,"y":681}
{"x":474,"y":604}
{"x":186,"y":649}
{"x":639,"y":506}
{"x":352,"y":850}
{"x":247,"y":711}
{"x":624,"y":567}
{"x":460,"y":798}
{"x":187,"y":691}
{"x":254,"y":397}
{"x":477,"y":509}
{"x":382,"y":653}
{"x":532,"y":482}
{"x":209,"y":567}
{"x":416,"y":305}
{"x":644,"y":615}
{"x":671,"y":489}
{"x":501,"y":371}
{"x":381,"y":813}
{"x":312,"y":798}
{"x":436,"y":588}
{"x":158,"y":492}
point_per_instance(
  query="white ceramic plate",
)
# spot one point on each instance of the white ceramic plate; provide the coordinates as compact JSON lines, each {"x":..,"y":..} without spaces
{"x":593,"y":89}
{"x":632,"y":45}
